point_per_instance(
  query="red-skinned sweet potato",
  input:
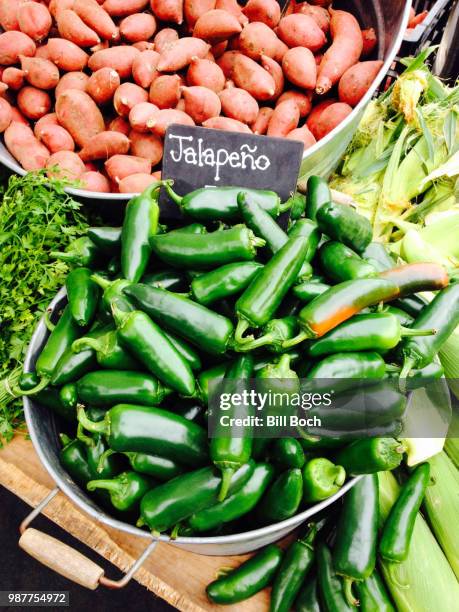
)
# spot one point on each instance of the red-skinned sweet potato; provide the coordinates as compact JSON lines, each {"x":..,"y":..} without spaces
{"x":119,"y":58}
{"x":120,"y":166}
{"x":165,"y":91}
{"x":9,"y":15}
{"x":257,"y":39}
{"x":234,"y":8}
{"x":79,"y":114}
{"x":104,"y":145}
{"x":304,"y":135}
{"x":6,"y":116}
{"x":227,"y":124}
{"x":71,"y":80}
{"x":204,"y":73}
{"x":226,"y":63}
{"x":147,"y":146}
{"x":95,"y":181}
{"x":141,"y":114}
{"x":317,"y":110}
{"x":179,"y":54}
{"x":193,"y":9}
{"x":265,"y":11}
{"x":39,"y":72}
{"x":320,"y":15}
{"x":260,"y":125}
{"x":95,"y":17}
{"x":122,"y":8}
{"x":136,"y":183}
{"x":66,"y":54}
{"x":33,"y":102}
{"x":238,"y":104}
{"x":164,"y":38}
{"x":127,"y":96}
{"x":34,"y":19}
{"x":168,"y":10}
{"x":119,"y":124}
{"x":303,"y":101}
{"x":144,"y":69}
{"x":300,"y":68}
{"x":284,"y":119}
{"x":356,"y":81}
{"x":301,"y":31}
{"x":201,"y":103}
{"x":102,"y":84}
{"x":138,"y":27}
{"x":24,"y":147}
{"x":14,"y":44}
{"x":250,"y":76}
{"x":275,"y":70}
{"x":55,"y":138}
{"x":369,"y":40}
{"x":49,"y":119}
{"x":18,"y":117}
{"x":13,"y":77}
{"x":328,"y":119}
{"x":216,"y":25}
{"x":164,"y":118}
{"x":72,"y":28}
{"x":65,"y":165}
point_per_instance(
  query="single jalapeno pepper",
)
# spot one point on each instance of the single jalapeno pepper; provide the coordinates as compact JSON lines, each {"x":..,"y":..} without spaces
{"x":146,"y":342}
{"x":403,"y":317}
{"x":377,"y":254}
{"x":282,"y":499}
{"x":377,"y":331}
{"x":321,"y":479}
{"x":81,"y":252}
{"x":309,"y":290}
{"x":126,"y":490}
{"x":231,"y":446}
{"x":192,"y":228}
{"x":273,"y":335}
{"x":203,"y":251}
{"x":50,"y":398}
{"x":340,"y":303}
{"x":212,"y":376}
{"x":110,"y":387}
{"x":261,"y":222}
{"x":202,"y":327}
{"x":370,"y":455}
{"x":174,"y":501}
{"x":372,"y":595}
{"x":185,"y":351}
{"x":344,"y":224}
{"x":223,"y":282}
{"x":146,"y":429}
{"x":330,"y":584}
{"x":340,"y":263}
{"x":236,"y":505}
{"x":395,"y":539}
{"x":69,"y":396}
{"x":412,"y":278}
{"x":172,"y":280}
{"x":107,"y":239}
{"x":307,"y":229}
{"x":287,"y":453}
{"x":317,"y":194}
{"x":308,"y":597}
{"x":73,"y":457}
{"x":103,"y":464}
{"x":83,"y":295}
{"x":28,"y":380}
{"x":247,"y":579}
{"x":259,"y":302}
{"x":297,"y":207}
{"x":295,"y":566}
{"x":220,"y":203}
{"x":412,"y":304}
{"x":354,"y":552}
{"x":159,"y":468}
{"x":113,"y":292}
{"x":108,"y":351}
{"x":442,"y":314}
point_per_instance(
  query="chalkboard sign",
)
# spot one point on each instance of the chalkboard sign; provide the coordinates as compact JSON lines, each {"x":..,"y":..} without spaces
{"x":195,"y":157}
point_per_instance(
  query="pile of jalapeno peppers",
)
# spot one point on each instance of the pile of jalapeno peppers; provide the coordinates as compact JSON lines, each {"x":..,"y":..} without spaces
{"x":154,"y":314}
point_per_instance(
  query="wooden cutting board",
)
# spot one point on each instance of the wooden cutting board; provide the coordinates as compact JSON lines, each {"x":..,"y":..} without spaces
{"x":176,"y":575}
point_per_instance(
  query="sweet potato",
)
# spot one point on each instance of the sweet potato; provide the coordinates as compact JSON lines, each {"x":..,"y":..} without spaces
{"x":79,"y":114}
{"x":102,"y":84}
{"x":24,"y":147}
{"x":144,"y":69}
{"x":39,"y":72}
{"x":95,"y":181}
{"x":168,"y":10}
{"x":164,"y":118}
{"x":122,"y":8}
{"x":301,"y":31}
{"x":66,"y":54}
{"x":179,"y":54}
{"x":71,"y":80}
{"x":6,"y":116}
{"x":136,"y":183}
{"x":233,"y":7}
{"x":260,"y":125}
{"x":238,"y":104}
{"x":205,"y":73}
{"x":137,"y":27}
{"x":104,"y":145}
{"x":300,"y":67}
{"x":320,"y":15}
{"x":59,"y":5}
{"x":127,"y":96}
{"x":164,"y":38}
{"x":165,"y":91}
{"x":356,"y":81}
{"x":193,"y":9}
{"x":369,"y":41}
{"x":18,"y":117}
{"x":120,"y":166}
{"x":65,"y":165}
{"x":303,"y":101}
{"x":34,"y":19}
{"x":9,"y":15}
{"x":12,"y":45}
{"x":281,"y":51}
{"x":119,"y":124}
{"x":276,"y":72}
{"x":33,"y":102}
{"x":141,"y":114}
{"x":317,"y":110}
{"x":72,"y":28}
{"x":96,"y":18}
{"x":119,"y":58}
{"x":284,"y":119}
{"x":250,"y":76}
{"x":257,"y":39}
{"x":147,"y":146}
{"x":216,"y":25}
{"x":227,"y":124}
{"x":201,"y":103}
{"x":55,"y":138}
{"x":304,"y":135}
{"x":42,"y":52}
{"x":226,"y":63}
{"x":264,"y":11}
{"x":218,"y":49}
{"x":49,"y":119}
{"x":343,"y":53}
{"x":329,"y":118}
{"x":13,"y":77}
{"x":144,"y":45}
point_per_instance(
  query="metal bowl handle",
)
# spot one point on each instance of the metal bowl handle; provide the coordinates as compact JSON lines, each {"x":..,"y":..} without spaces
{"x":65,"y":560}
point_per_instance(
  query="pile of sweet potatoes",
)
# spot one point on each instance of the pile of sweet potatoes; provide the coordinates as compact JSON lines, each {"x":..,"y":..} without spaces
{"x":89,"y":87}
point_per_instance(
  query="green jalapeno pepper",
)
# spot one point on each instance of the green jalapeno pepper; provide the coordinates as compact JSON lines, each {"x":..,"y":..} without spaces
{"x":337,"y":438}
{"x":287,"y":453}
{"x":354,"y":552}
{"x":69,"y":396}
{"x":398,"y":528}
{"x":203,"y":251}
{"x":109,"y":352}
{"x":377,"y":254}
{"x":307,"y":229}
{"x":113,"y":292}
{"x":51,"y":398}
{"x":146,"y":429}
{"x":220,"y":203}
{"x":231,"y":445}
{"x":420,"y":378}
{"x":236,"y":505}
{"x":344,"y":224}
{"x":416,"y":277}
{"x":282,"y":499}
{"x":224,"y":281}
{"x":211,"y":376}
{"x":73,"y":458}
{"x":261,"y":222}
{"x":82,"y":295}
{"x":403,"y":317}
{"x":278,"y":378}
{"x":442,"y":314}
{"x":202,"y":327}
{"x":247,"y":579}
{"x":172,"y":280}
{"x":174,"y":501}
{"x":126,"y":490}
{"x":297,"y":206}
{"x":81,"y":252}
{"x":140,"y":224}
{"x":330,"y":584}
{"x":317,"y":194}
{"x":185,"y":351}
{"x":103,"y":464}
{"x":107,"y":239}
{"x":273,"y":335}
{"x":159,"y":468}
{"x":146,"y":342}
{"x":308,"y":597}
{"x":412,"y":304}
{"x":340,"y":263}
{"x":309,"y":290}
{"x":372,"y":595}
{"x":321,"y":479}
{"x":27,"y":381}
{"x":370,"y":455}
{"x":296,"y":564}
{"x":259,"y":302}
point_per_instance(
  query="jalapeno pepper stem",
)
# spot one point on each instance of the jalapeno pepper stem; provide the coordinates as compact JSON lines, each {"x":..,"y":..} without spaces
{"x":119,"y":315}
{"x":44,"y":382}
{"x":47,"y":321}
{"x":241,"y":327}
{"x":227,"y":474}
{"x":171,"y":193}
{"x":95,"y":427}
{"x":301,"y":337}
{"x":111,"y":485}
{"x":175,"y":531}
{"x":408,"y":365}
{"x":340,"y":475}
{"x":65,"y":439}
{"x":348,"y":594}
{"x":390,"y":367}
{"x":406,"y":331}
{"x":257,"y":242}
{"x":287,"y":205}
{"x":103,"y":283}
{"x":103,"y":458}
{"x":83,"y":437}
{"x":250,"y":345}
{"x":86,"y":343}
